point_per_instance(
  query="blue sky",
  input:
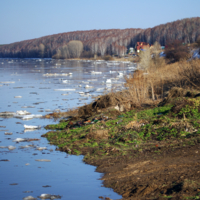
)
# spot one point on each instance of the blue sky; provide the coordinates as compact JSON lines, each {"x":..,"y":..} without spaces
{"x":28,"y":19}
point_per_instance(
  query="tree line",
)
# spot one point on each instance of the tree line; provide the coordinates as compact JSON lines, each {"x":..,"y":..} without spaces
{"x":102,"y":42}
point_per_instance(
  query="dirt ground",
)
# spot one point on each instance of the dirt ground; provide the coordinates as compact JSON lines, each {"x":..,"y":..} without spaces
{"x":158,"y":173}
{"x":151,"y":169}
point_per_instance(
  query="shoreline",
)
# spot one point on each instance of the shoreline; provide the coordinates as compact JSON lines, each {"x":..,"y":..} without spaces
{"x":138,"y":160}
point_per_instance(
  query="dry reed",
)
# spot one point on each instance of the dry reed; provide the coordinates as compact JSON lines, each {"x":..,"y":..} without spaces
{"x":152,"y":83}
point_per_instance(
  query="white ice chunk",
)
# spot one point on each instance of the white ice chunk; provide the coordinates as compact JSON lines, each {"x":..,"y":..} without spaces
{"x":17,"y":96}
{"x":41,"y":148}
{"x":19,"y":140}
{"x":22,"y":112}
{"x":43,"y":160}
{"x":108,"y":81}
{"x":66,"y":89}
{"x":11,"y":147}
{"x":31,"y":127}
{"x":88,"y":86}
{"x":93,"y":72}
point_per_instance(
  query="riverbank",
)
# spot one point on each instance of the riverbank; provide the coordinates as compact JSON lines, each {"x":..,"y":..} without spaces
{"x":151,"y":152}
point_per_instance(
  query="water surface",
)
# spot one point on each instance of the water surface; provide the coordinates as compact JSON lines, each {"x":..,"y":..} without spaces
{"x":41,"y":85}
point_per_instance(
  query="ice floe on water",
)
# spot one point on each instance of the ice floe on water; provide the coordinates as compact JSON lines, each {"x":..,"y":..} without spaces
{"x":93,"y":72}
{"x":31,"y":127}
{"x":55,"y":74}
{"x":11,"y":147}
{"x":7,"y":114}
{"x":43,"y":160}
{"x":7,"y":82}
{"x":17,"y":96}
{"x":29,"y":198}
{"x":108,"y":81}
{"x":65,"y":89}
{"x":19,"y":140}
{"x":88,"y":86}
{"x":22,"y":112}
{"x":65,"y":81}
{"x":8,"y":133}
{"x":41,"y":148}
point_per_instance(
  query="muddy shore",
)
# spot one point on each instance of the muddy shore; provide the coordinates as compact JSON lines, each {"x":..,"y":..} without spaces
{"x":150,"y":152}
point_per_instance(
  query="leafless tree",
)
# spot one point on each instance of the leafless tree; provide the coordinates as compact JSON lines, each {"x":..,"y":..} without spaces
{"x":94,"y":47}
{"x":64,"y":52}
{"x":102,"y":47}
{"x":75,"y":48}
{"x":41,"y":50}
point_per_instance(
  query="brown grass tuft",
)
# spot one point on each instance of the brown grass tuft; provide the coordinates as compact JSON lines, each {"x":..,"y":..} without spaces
{"x":154,"y":82}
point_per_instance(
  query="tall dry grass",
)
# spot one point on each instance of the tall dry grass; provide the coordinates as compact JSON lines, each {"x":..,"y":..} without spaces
{"x":151,"y":84}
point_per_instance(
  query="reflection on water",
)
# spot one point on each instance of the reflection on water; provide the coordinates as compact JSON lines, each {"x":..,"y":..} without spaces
{"x":24,"y":86}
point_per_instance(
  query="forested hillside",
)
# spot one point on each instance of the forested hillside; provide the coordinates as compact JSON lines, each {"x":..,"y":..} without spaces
{"x":112,"y":41}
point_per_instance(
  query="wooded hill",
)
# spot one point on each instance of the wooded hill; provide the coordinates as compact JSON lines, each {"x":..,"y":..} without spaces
{"x":111,"y":41}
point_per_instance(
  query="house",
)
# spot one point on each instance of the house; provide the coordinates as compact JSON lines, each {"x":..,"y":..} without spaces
{"x":141,"y":45}
{"x":131,"y":50}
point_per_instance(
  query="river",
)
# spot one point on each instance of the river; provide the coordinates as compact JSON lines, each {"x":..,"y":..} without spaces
{"x":40,"y":86}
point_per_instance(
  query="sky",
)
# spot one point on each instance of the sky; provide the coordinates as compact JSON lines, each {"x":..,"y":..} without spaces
{"x":29,"y":19}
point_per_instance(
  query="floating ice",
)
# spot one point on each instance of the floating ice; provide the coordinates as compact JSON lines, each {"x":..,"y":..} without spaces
{"x":7,"y":82}
{"x":85,"y":82}
{"x":5,"y":114}
{"x":7,"y":133}
{"x":41,"y":148}
{"x":99,"y":89}
{"x":19,"y":140}
{"x":120,"y":74}
{"x":11,"y":147}
{"x":93,"y":72}
{"x":22,"y":112}
{"x":49,"y":196}
{"x":111,"y":72}
{"x":108,"y":81}
{"x":42,"y":160}
{"x":88,"y":86}
{"x":29,"y":198}
{"x":17,"y":96}
{"x":26,"y":146}
{"x":28,"y":117}
{"x":65,"y":81}
{"x":31,"y":127}
{"x":67,"y":89}
{"x":55,"y":74}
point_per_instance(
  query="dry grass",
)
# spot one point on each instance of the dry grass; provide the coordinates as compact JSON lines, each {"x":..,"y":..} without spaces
{"x":149,"y":87}
{"x":144,"y":87}
{"x":58,"y":115}
{"x":152,"y":83}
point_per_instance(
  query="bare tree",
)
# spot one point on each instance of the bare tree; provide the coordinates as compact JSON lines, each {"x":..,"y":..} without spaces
{"x":102,"y":47}
{"x":75,"y":48}
{"x":41,"y":50}
{"x":94,"y":47}
{"x":145,"y":59}
{"x":64,"y":52}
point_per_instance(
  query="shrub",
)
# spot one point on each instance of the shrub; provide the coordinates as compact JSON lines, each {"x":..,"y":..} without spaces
{"x":176,"y":51}
{"x":108,"y":57}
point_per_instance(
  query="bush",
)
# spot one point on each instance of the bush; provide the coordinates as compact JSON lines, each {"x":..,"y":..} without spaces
{"x":108,"y":57}
{"x":176,"y":51}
